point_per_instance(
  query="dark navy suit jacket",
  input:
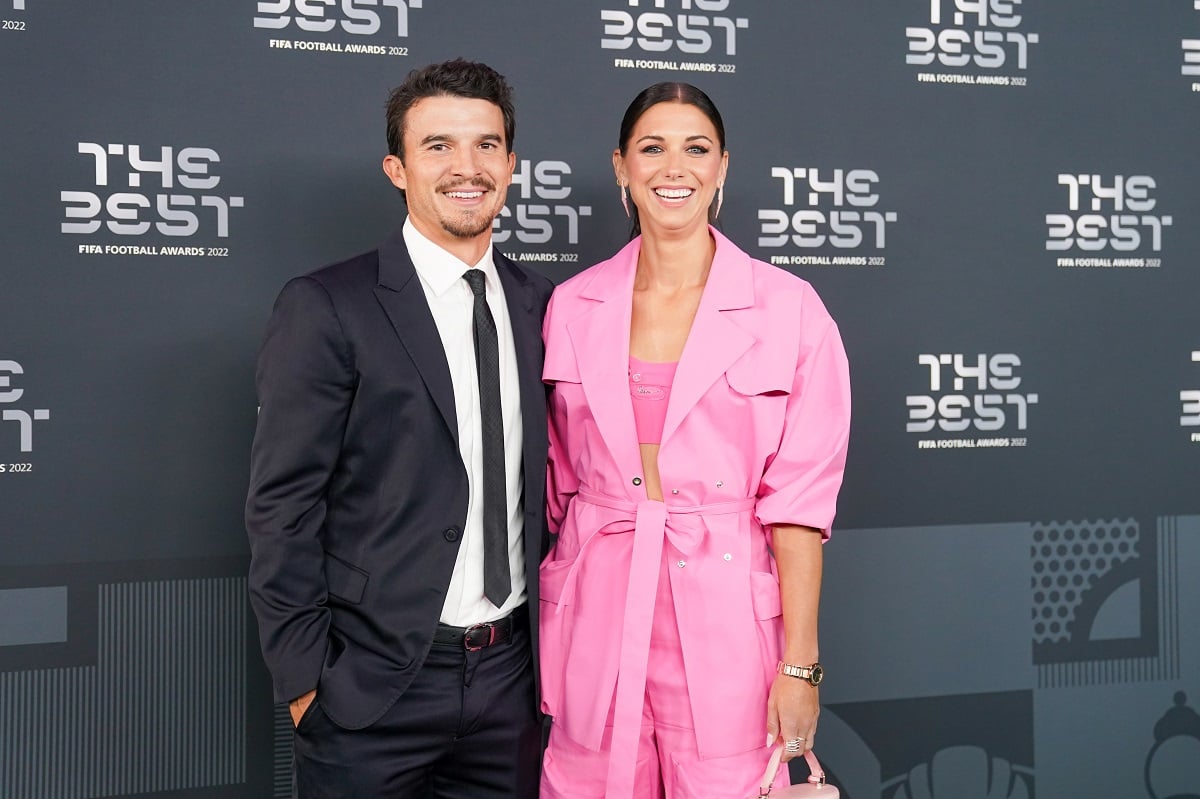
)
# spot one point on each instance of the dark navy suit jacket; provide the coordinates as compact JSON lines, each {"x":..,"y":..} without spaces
{"x":358,"y":494}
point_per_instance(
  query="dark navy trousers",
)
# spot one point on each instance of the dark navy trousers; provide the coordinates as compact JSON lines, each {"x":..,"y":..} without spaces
{"x":465,"y":729}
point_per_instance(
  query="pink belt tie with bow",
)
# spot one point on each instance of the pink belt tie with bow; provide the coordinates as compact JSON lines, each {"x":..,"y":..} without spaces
{"x":650,"y":521}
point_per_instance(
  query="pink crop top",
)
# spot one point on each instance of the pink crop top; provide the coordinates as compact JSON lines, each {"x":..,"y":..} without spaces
{"x":650,"y":387}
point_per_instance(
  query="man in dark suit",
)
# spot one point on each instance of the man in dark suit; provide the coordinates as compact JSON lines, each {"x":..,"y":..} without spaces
{"x":395,"y":510}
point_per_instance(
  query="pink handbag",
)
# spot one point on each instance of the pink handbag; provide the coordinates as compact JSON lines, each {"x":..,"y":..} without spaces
{"x":814,"y":788}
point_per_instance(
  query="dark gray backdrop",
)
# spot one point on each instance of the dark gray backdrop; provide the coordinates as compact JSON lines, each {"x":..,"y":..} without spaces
{"x":1007,"y":608}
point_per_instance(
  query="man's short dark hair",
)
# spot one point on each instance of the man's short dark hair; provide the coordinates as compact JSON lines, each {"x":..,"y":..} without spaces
{"x":457,"y":78}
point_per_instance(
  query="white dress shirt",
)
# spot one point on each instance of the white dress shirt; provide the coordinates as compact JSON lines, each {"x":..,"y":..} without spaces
{"x":452,"y":303}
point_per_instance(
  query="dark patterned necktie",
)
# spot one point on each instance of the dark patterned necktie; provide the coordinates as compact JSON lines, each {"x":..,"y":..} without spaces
{"x":497,"y":582}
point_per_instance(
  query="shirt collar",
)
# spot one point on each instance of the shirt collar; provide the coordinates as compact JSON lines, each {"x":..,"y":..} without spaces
{"x":439,"y":269}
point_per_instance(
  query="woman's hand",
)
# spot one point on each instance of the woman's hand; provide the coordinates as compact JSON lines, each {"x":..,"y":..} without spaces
{"x":792,"y":709}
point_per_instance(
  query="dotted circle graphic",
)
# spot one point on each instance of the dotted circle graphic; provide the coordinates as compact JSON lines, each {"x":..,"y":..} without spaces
{"x":1068,"y":559}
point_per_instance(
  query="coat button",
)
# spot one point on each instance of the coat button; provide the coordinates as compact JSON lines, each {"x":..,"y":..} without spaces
{"x":451,"y":534}
{"x":681,"y":563}
{"x":720,"y":483}
{"x":727,"y":556}
{"x":637,"y":481}
{"x":674,"y":490}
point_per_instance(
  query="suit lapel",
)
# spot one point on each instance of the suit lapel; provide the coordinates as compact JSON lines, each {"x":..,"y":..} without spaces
{"x":714,"y":342}
{"x":526,"y":329}
{"x":527,"y":339}
{"x":403,"y":300}
{"x":526,"y":319}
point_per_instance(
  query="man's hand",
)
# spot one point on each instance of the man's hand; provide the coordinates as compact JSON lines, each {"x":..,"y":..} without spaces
{"x":300,"y":704}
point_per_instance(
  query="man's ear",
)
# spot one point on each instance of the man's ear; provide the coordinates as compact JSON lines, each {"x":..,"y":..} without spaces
{"x":393,"y":167}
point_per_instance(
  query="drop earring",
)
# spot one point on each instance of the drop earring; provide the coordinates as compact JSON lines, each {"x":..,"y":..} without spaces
{"x":720,"y":199}
{"x":624,"y":198}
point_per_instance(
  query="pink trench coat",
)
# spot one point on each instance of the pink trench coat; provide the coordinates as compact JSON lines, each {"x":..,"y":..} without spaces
{"x":755,"y":435}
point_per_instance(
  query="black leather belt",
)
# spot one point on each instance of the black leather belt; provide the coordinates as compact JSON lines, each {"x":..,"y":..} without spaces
{"x":481,"y":636}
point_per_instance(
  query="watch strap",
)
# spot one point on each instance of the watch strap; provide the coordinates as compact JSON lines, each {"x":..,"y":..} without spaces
{"x":807,"y":673}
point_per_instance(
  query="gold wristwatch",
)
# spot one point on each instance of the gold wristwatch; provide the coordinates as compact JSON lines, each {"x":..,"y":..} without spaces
{"x":813,"y":674}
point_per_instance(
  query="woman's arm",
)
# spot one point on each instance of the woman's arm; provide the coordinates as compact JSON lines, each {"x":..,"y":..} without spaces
{"x":794,"y":704}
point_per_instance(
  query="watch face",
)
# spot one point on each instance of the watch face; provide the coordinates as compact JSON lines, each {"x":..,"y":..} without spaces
{"x":817,"y":674}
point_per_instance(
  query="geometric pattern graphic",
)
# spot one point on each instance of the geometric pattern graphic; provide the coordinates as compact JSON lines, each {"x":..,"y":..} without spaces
{"x":1105,"y":604}
{"x":1068,"y":560}
{"x":937,"y":747}
{"x":1172,"y":769}
{"x":162,"y":709}
{"x":964,"y":771}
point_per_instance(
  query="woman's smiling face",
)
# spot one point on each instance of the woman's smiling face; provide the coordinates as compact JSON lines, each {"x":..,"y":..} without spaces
{"x":673,"y":165}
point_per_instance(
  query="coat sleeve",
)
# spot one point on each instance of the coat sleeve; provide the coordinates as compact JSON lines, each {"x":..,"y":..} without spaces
{"x":561,"y":481}
{"x":801,"y":480}
{"x":305,"y":387}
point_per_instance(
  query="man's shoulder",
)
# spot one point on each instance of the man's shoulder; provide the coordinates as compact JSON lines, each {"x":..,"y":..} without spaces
{"x":354,"y":272}
{"x":540,"y":283}
{"x":337,"y":288}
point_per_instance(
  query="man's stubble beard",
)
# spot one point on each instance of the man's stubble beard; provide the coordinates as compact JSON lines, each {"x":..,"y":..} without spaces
{"x":467,"y":225}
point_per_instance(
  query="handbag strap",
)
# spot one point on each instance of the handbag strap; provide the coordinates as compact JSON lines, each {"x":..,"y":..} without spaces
{"x":816,"y":773}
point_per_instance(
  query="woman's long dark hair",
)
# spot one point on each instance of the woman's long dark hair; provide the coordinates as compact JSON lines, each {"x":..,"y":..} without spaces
{"x":667,"y":92}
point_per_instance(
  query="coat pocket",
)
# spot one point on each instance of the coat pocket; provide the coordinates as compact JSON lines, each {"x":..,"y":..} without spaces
{"x":734,"y":775}
{"x":554,"y":631}
{"x":764,"y":590}
{"x":344,"y":581}
{"x":768,"y":614}
{"x":753,"y":376}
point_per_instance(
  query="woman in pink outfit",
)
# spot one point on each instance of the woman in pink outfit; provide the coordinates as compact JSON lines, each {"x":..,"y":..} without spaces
{"x":699,"y":415}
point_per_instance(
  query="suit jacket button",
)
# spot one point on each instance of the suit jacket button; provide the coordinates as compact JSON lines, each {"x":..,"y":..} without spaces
{"x":637,"y":481}
{"x":451,"y":534}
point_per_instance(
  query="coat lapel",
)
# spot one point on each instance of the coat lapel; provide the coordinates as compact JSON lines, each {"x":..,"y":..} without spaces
{"x":600,"y":338}
{"x":403,"y":300}
{"x":714,"y":342}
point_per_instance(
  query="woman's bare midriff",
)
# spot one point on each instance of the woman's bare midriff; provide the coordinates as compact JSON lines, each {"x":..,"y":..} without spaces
{"x":650,"y":471}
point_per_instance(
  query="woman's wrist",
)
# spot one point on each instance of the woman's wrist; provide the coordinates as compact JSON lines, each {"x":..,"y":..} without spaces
{"x":803,"y":652}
